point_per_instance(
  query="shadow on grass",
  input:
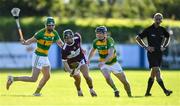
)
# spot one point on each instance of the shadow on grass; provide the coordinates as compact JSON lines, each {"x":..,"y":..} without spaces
{"x":138,"y":96}
{"x":18,"y":95}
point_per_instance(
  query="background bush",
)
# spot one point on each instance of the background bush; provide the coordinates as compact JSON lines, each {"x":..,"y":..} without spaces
{"x":122,"y":30}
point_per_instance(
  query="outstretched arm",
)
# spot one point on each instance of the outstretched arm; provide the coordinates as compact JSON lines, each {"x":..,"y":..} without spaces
{"x":91,"y":54}
{"x":60,"y":43}
{"x":29,"y":41}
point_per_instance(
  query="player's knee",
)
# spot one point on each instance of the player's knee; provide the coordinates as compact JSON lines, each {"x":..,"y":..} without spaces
{"x":34,"y":79}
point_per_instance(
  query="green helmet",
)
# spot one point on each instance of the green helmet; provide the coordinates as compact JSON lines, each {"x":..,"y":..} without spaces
{"x":50,"y":21}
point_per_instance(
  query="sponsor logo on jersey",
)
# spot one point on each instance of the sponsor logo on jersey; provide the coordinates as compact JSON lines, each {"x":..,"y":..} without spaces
{"x":153,"y":35}
{"x":74,"y":53}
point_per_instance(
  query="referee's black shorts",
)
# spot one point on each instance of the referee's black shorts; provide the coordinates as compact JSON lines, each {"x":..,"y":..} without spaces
{"x":155,"y":59}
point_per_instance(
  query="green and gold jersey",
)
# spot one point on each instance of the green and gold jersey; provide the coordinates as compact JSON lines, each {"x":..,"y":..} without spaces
{"x":45,"y":40}
{"x":102,"y":47}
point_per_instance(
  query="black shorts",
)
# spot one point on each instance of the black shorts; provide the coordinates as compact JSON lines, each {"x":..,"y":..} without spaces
{"x":155,"y":59}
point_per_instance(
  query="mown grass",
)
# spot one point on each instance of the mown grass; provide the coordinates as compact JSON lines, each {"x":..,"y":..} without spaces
{"x":60,"y":91}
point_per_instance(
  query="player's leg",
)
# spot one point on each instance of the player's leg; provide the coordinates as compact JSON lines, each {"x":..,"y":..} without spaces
{"x":77,"y":84}
{"x":85,"y":71}
{"x":152,"y":58}
{"x":150,"y":81}
{"x":118,"y":72}
{"x":44,"y":79}
{"x":32,"y":78}
{"x":121,"y":76}
{"x":161,"y":83}
{"x":110,"y":82}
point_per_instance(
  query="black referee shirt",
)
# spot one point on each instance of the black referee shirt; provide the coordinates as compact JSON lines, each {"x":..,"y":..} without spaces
{"x":154,"y":36}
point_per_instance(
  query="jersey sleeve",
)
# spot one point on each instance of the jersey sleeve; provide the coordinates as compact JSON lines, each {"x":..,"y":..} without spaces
{"x":110,"y":43}
{"x":37,"y":35}
{"x":78,"y":36}
{"x":143,"y":34}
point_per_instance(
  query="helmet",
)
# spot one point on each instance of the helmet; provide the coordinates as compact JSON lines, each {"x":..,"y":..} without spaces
{"x":68,"y":33}
{"x":101,"y":29}
{"x":50,"y":21}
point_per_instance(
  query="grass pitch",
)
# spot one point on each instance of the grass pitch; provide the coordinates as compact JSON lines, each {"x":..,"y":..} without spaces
{"x":60,"y":91}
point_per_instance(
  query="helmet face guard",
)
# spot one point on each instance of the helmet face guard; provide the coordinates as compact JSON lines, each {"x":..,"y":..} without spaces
{"x":68,"y":35}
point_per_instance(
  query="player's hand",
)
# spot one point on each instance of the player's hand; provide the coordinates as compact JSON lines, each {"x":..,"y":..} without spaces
{"x":72,"y":73}
{"x":65,"y":70}
{"x":74,"y":65}
{"x":101,"y":64}
{"x":88,"y":62}
{"x":23,"y":41}
{"x":163,"y":49}
{"x":150,"y":49}
{"x":84,"y":51}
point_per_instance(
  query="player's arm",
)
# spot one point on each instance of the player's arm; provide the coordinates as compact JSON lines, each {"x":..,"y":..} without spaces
{"x":29,"y":41}
{"x":60,"y":43}
{"x":110,"y":54}
{"x":91,"y":53}
{"x":141,"y":42}
{"x":80,"y":40}
{"x":140,"y":36}
{"x":145,"y":46}
{"x":166,"y":39}
{"x":165,"y":42}
{"x":66,"y":66}
{"x":110,"y":46}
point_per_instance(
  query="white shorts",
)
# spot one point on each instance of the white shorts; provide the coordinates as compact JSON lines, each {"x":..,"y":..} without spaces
{"x":40,"y":61}
{"x":77,"y":71}
{"x":115,"y":68}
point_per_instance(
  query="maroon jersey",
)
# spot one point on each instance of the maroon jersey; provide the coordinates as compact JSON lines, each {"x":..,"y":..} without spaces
{"x":73,"y":53}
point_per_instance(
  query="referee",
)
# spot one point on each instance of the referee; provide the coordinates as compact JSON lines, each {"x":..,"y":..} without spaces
{"x":158,"y":39}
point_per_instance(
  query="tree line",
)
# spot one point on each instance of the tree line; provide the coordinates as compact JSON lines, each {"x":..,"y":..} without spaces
{"x":93,"y":8}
